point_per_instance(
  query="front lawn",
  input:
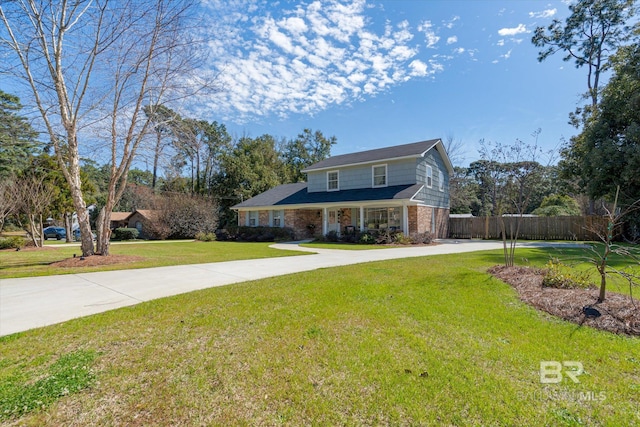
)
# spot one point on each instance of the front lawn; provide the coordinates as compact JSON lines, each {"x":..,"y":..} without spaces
{"x":37,"y":262}
{"x":419,"y":341}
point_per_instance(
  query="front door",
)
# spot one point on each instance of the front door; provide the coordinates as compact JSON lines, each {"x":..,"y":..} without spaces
{"x":333,"y":223}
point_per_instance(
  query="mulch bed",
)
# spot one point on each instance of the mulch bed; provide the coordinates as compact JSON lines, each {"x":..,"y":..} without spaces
{"x":97,"y":260}
{"x":618,"y":314}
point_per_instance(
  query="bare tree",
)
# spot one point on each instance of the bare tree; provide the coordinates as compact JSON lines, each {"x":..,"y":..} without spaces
{"x":518,"y":171}
{"x":454,"y":148}
{"x":7,"y":202}
{"x":91,"y":65}
{"x":33,"y":196}
{"x":607,"y":231}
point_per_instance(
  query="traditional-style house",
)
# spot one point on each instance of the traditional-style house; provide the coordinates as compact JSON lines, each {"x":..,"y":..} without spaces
{"x":404,"y":187}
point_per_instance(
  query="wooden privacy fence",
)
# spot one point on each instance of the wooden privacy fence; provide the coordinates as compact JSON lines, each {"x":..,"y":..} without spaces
{"x":531,"y":228}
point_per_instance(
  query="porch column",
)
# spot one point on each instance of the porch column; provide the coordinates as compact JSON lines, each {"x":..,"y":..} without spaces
{"x":405,"y":220}
{"x":325,"y":219}
{"x":361,"y":218}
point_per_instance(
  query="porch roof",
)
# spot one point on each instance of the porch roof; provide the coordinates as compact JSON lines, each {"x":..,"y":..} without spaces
{"x":297,"y":194}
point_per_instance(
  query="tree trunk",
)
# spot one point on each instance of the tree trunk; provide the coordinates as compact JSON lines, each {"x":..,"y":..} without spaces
{"x":68,"y":226}
{"x":603,"y":286}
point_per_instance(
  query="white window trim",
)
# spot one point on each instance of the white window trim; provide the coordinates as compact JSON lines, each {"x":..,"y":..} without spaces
{"x":256,"y":216}
{"x":429,"y":177}
{"x":373,"y":176}
{"x":337,"y":172}
{"x":441,"y":181}
{"x":277,"y":213}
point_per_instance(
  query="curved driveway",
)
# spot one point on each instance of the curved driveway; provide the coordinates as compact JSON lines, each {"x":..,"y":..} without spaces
{"x":32,"y":302}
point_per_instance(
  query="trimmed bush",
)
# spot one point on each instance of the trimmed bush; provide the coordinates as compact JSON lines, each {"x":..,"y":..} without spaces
{"x":206,"y":237}
{"x":264,"y":234}
{"x":125,"y":234}
{"x":13,"y":242}
{"x":226,"y":234}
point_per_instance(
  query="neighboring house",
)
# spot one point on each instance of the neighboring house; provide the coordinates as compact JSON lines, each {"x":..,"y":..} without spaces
{"x":136,"y":219}
{"x":404,"y":187}
{"x":119,"y":219}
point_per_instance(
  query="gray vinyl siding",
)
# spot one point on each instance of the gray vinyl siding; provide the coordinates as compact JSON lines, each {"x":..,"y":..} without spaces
{"x":433,"y":196}
{"x":399,"y":172}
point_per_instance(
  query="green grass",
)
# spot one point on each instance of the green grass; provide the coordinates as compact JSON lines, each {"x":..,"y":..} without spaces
{"x":420,"y":341}
{"x":19,"y":395}
{"x":28,"y":263}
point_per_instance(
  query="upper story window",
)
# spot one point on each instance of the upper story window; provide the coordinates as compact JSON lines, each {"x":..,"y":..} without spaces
{"x":379,"y":175}
{"x":440,"y":181}
{"x":332,"y":181}
{"x":429,"y":176}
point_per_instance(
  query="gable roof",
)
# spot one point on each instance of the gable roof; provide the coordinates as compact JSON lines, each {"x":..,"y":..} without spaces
{"x":119,"y":216}
{"x":413,"y":150}
{"x":297,"y":194}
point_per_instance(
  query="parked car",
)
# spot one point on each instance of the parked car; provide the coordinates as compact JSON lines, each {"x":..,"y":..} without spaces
{"x":76,"y":234}
{"x":57,"y":233}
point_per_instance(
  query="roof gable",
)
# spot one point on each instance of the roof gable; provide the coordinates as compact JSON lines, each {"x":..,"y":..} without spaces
{"x":416,"y":149}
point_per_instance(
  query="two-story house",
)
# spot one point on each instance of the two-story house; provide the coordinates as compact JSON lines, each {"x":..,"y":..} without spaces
{"x":404,"y":187}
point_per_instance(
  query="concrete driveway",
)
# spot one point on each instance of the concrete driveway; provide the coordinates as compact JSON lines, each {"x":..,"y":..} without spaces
{"x":33,"y":302}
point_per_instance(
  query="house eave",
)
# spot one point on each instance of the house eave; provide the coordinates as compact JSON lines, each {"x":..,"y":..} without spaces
{"x":321,"y":205}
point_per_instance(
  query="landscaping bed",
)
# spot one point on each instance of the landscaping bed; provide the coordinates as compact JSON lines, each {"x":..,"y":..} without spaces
{"x":619,"y":314}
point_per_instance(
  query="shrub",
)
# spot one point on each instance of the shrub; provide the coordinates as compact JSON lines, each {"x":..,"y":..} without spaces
{"x":226,"y":234}
{"x":559,"y":275}
{"x":264,"y":234}
{"x":13,"y":242}
{"x":187,"y":215}
{"x":402,"y":239}
{"x":206,"y":237}
{"x":421,"y":238}
{"x":125,"y":234}
{"x":331,"y":236}
{"x":366,"y":238}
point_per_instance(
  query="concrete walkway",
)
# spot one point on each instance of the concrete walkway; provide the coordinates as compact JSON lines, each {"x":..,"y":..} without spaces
{"x":33,"y":302}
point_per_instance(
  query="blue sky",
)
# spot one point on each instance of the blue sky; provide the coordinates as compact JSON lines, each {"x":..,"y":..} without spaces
{"x":379,"y":73}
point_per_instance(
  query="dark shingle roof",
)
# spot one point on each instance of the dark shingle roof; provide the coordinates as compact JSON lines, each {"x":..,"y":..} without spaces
{"x":398,"y":151}
{"x":296,"y":194}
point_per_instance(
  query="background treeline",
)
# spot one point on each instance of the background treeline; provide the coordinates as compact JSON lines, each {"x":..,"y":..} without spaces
{"x":191,"y":171}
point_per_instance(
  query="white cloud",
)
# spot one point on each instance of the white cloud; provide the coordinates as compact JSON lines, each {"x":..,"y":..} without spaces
{"x":521,"y":28}
{"x":548,"y":13}
{"x":432,"y":39}
{"x":500,"y":42}
{"x":459,"y":50}
{"x":452,"y":40}
{"x":451,"y":23}
{"x":418,"y":68}
{"x":303,"y":59}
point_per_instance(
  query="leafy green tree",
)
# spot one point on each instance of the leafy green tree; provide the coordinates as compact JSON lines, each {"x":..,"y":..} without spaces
{"x":17,"y":138}
{"x":463,"y":192}
{"x":558,"y":205}
{"x":252,"y":166}
{"x":593,"y":31}
{"x":607,"y":152}
{"x":307,"y":148}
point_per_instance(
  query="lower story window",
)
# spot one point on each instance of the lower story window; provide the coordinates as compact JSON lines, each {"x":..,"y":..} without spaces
{"x":253,"y":218}
{"x":381,"y":218}
{"x":277,"y":219}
